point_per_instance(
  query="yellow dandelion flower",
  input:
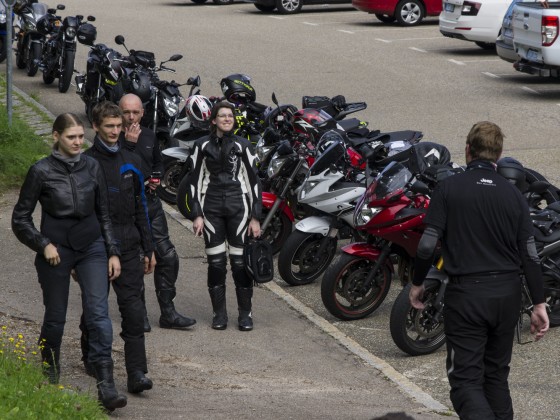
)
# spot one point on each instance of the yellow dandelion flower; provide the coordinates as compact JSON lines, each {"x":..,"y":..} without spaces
{"x":11,"y":339}
{"x":34,"y":353}
{"x":20,"y":336}
{"x":4,"y":327}
{"x":61,"y":387}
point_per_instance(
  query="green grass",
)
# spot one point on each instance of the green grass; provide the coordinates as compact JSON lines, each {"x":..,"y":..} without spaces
{"x":25,"y":392}
{"x":20,"y":147}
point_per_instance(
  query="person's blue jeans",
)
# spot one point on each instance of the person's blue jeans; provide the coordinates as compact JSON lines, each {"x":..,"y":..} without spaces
{"x":92,"y":275}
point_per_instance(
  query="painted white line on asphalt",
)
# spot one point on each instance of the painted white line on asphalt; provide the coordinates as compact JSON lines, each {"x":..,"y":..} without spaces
{"x":481,"y":61}
{"x":310,"y":24}
{"x":383,"y":40}
{"x":413,"y":39}
{"x":459,"y":63}
{"x":346,"y":32}
{"x":417,"y":49}
{"x":495,"y":76}
{"x":528,"y":89}
{"x":406,"y":386}
{"x":276,"y":17}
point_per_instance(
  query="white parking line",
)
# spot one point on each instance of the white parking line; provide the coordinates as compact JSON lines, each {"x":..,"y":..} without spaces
{"x":383,"y":40}
{"x":459,"y":63}
{"x":415,"y":39}
{"x":310,"y":24}
{"x":528,"y":89}
{"x":385,"y":30}
{"x":495,"y":76}
{"x":417,"y":49}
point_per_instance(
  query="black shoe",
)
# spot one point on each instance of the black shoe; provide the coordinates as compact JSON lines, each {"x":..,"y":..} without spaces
{"x":174,"y":320}
{"x":147,"y":326}
{"x":106,"y":391}
{"x":219,"y":322}
{"x":245,"y":321}
{"x":138,"y":382}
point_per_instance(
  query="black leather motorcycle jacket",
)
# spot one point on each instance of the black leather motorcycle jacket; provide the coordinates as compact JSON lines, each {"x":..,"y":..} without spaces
{"x":127,"y":201}
{"x":223,"y":167}
{"x":66,"y":193}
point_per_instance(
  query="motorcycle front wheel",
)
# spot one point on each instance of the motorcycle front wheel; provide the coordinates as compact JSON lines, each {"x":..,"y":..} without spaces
{"x":32,"y":63}
{"x":277,"y":232}
{"x":415,"y":331}
{"x":3,"y":48}
{"x":344,"y":291}
{"x":552,"y":299}
{"x":168,"y":189}
{"x":67,"y":71}
{"x":299,"y":261}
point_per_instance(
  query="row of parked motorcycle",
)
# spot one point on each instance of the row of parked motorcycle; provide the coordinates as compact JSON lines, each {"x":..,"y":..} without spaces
{"x":326,"y":178}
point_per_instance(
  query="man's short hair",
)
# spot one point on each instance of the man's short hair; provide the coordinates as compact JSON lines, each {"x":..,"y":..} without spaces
{"x":485,"y":141}
{"x":104,"y":110}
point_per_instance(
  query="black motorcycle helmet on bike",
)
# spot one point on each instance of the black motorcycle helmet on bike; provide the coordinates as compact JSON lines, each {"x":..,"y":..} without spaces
{"x":237,"y":89}
{"x":114,"y":70}
{"x":513,"y":171}
{"x":140,"y":85}
{"x":87,"y":34}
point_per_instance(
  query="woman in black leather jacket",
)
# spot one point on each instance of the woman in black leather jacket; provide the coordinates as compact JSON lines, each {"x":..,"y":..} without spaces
{"x":75,"y":234}
{"x":224,"y":200}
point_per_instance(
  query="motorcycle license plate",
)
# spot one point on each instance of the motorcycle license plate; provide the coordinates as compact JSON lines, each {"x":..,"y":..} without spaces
{"x":449,"y":7}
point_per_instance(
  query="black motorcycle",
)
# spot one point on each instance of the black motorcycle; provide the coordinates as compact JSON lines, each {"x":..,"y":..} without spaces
{"x":103,"y":80}
{"x":3,"y":33}
{"x":59,"y":51}
{"x":29,"y":40}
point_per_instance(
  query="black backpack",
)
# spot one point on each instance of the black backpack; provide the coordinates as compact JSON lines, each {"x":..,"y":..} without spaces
{"x":258,"y":260}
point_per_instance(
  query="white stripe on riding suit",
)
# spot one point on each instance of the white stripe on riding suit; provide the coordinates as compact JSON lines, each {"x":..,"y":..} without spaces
{"x":245,"y":216}
{"x":217,"y":249}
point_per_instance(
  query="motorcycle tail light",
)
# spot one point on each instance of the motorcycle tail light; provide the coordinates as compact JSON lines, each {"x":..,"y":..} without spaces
{"x":549,"y":30}
{"x":470,"y":8}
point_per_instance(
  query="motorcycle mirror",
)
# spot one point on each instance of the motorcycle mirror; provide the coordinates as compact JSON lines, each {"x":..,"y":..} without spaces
{"x":60,"y":6}
{"x":333,"y":169}
{"x":91,"y":18}
{"x":119,"y":40}
{"x":51,"y":11}
{"x":195,"y":81}
{"x":419,"y":188}
{"x":175,"y":57}
{"x":274,"y":99}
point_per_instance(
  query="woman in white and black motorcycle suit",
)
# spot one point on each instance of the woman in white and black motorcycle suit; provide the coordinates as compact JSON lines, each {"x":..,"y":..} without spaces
{"x":224,"y":201}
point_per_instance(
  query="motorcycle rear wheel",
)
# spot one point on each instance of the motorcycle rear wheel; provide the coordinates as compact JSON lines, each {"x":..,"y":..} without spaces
{"x":343,"y":292}
{"x":552,"y":299}
{"x":298,"y":262}
{"x":168,"y":189}
{"x":412,"y":330}
{"x":32,"y":65}
{"x":20,"y":54}
{"x":48,"y":78}
{"x":3,"y":49}
{"x":67,"y":71}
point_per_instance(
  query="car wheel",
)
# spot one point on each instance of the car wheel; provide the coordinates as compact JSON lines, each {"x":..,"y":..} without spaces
{"x":385,"y":18}
{"x":286,"y":7}
{"x":486,"y":45}
{"x":199,"y":1}
{"x":264,"y":8}
{"x":409,"y":12}
{"x":220,"y":2}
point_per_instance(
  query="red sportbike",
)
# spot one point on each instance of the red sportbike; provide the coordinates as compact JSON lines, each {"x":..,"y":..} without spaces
{"x":391,"y":212}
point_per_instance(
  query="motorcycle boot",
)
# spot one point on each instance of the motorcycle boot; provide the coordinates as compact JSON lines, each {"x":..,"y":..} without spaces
{"x":243,"y":290}
{"x":147,"y":326}
{"x":138,"y":382}
{"x":106,"y":391}
{"x":165,"y":276}
{"x":51,"y":366}
{"x":245,"y":319}
{"x":218,"y":298}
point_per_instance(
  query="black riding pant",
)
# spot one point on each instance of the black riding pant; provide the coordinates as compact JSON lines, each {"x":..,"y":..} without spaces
{"x":226,"y":220}
{"x":480,"y":318}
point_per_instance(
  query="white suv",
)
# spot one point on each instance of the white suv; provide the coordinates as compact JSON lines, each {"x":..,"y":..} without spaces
{"x":477,"y":21}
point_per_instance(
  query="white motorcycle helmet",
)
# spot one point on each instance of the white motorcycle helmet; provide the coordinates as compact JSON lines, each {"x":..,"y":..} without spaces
{"x":198,"y":109}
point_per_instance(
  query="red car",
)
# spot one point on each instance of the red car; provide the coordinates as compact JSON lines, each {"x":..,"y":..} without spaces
{"x":405,"y":12}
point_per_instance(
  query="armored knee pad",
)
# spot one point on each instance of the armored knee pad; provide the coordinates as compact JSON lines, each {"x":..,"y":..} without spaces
{"x":217,"y":270}
{"x":240,"y":276}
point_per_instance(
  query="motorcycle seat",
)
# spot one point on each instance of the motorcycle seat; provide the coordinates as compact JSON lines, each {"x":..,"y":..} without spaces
{"x":349,"y":124}
{"x":547,"y":239}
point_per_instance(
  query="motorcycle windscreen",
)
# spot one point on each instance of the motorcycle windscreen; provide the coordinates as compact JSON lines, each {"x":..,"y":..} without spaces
{"x":393,"y":178}
{"x":332,"y":157}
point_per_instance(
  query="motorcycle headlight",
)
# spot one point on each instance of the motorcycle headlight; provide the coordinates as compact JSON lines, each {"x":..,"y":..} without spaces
{"x":70,"y":32}
{"x":274,"y":167}
{"x":3,"y":17}
{"x":171,"y":108}
{"x":365,"y":214}
{"x":263,"y":151}
{"x":306,"y":187}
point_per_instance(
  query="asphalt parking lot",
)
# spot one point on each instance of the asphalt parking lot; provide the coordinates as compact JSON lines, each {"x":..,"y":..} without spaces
{"x":411,"y":78}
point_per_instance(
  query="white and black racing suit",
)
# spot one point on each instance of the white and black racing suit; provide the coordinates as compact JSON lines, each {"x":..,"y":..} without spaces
{"x":225,"y":190}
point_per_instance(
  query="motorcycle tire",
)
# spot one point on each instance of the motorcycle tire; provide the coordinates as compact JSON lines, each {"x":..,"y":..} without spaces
{"x":3,"y":49}
{"x":32,"y":63}
{"x":413,"y":330}
{"x":20,"y":54}
{"x":67,"y":72}
{"x":342,"y":288}
{"x":278,"y":231}
{"x":298,"y":262}
{"x":168,"y":189}
{"x":552,"y":299}
{"x":48,"y":78}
